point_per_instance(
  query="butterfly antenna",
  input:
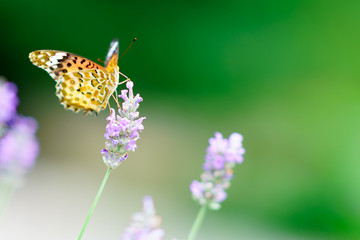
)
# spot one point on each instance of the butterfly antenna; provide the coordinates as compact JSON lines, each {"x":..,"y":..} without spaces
{"x":99,"y":60}
{"x":128,"y":48}
{"x":127,"y":79}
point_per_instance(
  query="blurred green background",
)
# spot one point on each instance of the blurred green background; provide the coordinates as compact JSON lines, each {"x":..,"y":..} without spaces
{"x":285,"y":74}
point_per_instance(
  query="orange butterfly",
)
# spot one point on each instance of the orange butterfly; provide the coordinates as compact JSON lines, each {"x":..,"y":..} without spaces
{"x":81,"y":84}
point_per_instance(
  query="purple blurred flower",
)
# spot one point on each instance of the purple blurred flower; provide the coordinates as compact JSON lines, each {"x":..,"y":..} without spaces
{"x":19,"y":147}
{"x":8,"y":101}
{"x":144,"y":225}
{"x":122,"y":130}
{"x":222,"y":155}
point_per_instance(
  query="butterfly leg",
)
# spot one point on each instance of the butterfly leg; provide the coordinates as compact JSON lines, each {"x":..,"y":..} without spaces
{"x":128,"y":79}
{"x":123,"y":75}
{"x":116,"y":99}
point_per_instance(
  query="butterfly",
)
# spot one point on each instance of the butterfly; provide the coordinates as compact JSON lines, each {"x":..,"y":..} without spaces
{"x":81,"y":84}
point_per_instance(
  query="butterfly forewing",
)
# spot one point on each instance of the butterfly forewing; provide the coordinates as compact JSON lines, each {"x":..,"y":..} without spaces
{"x":81,"y":83}
{"x":112,"y":56}
{"x":56,"y":63}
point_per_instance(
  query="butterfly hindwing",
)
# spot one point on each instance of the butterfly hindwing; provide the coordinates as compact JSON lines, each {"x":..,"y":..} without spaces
{"x":89,"y":89}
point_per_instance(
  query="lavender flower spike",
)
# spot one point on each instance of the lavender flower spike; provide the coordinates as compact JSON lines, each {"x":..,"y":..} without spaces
{"x":122,"y":130}
{"x":8,"y":101}
{"x":19,"y":148}
{"x":144,"y":225}
{"x":221,"y":157}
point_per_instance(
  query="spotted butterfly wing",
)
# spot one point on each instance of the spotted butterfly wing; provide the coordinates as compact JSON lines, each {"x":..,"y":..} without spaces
{"x":81,"y":84}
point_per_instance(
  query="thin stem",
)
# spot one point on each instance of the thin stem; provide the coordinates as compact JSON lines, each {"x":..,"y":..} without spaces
{"x":95,"y":202}
{"x":6,"y":195}
{"x":195,"y":227}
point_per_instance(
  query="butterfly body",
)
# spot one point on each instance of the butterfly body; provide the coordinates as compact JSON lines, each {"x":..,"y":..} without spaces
{"x":81,"y":84}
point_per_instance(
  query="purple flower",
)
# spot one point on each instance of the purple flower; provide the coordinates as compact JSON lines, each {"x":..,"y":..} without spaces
{"x":19,"y":147}
{"x":197,"y":189}
{"x":222,"y":155}
{"x":8,"y":101}
{"x":235,"y":151}
{"x":144,"y":225}
{"x":122,"y":129}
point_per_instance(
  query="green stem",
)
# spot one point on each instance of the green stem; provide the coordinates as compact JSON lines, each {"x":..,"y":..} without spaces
{"x":7,"y":190}
{"x":95,"y":202}
{"x":197,"y":223}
